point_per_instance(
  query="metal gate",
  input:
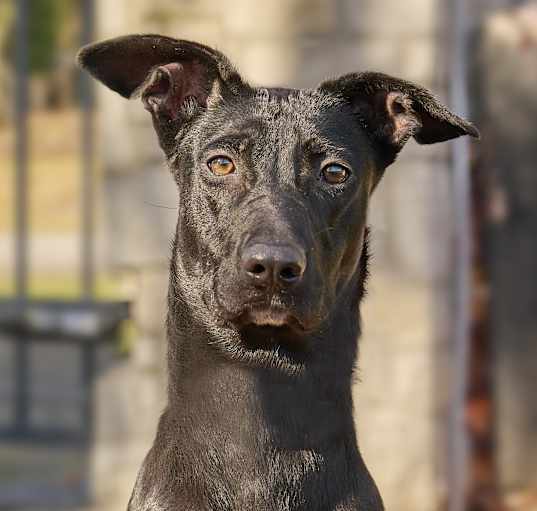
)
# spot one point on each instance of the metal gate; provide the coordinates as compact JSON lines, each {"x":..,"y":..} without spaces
{"x":49,"y":348}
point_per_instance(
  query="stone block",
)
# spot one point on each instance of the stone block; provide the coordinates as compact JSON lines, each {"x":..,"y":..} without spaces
{"x":141,"y":217}
{"x":379,"y":224}
{"x":420,"y":220}
{"x":128,"y":404}
{"x":278,"y":18}
{"x":269,"y":62}
{"x":394,"y":409}
{"x":391,"y":18}
{"x":127,"y":140}
{"x":411,"y":58}
{"x":150,"y":305}
{"x":321,"y":59}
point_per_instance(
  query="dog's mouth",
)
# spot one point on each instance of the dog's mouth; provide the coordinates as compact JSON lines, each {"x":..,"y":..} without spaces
{"x":267,"y":322}
{"x":270,"y":317}
{"x":271,"y":328}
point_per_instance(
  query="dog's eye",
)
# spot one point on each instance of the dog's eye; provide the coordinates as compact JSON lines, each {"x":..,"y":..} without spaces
{"x":221,"y":166}
{"x":335,"y":174}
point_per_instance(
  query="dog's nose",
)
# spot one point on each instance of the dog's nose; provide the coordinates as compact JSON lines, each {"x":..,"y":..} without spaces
{"x":281,"y":265}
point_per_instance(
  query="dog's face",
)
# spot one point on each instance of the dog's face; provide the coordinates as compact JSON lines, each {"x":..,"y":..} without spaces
{"x":275,"y":188}
{"x":273,"y":183}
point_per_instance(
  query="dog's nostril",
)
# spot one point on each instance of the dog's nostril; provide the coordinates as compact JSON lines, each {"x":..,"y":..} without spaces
{"x":257,"y":269}
{"x":290,"y":273}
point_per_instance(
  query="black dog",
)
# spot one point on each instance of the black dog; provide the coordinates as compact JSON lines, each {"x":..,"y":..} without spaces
{"x":268,"y":270}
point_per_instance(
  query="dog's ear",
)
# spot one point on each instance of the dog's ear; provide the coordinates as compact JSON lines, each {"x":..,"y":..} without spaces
{"x":393,"y":110}
{"x":174,"y":78}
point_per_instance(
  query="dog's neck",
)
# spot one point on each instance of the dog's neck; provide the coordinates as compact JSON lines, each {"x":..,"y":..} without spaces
{"x":252,"y":429}
{"x":252,"y":434}
{"x":302,"y":410}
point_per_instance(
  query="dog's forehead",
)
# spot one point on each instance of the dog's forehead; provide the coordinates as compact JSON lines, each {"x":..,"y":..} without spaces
{"x":298,"y":104}
{"x":305,"y":115}
{"x":283,"y":114}
{"x":276,"y":120}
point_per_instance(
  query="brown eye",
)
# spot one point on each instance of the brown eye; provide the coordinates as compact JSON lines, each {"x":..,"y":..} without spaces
{"x":335,"y":174}
{"x":221,"y":166}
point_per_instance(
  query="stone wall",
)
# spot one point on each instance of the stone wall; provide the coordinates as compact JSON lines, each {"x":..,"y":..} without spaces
{"x":295,"y":43}
{"x":299,"y":43}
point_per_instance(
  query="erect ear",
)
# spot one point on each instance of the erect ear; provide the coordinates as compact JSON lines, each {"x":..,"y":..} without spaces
{"x":393,"y":110}
{"x":174,"y":78}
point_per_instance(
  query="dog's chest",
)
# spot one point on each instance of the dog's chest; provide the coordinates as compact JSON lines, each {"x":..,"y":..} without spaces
{"x":291,"y":481}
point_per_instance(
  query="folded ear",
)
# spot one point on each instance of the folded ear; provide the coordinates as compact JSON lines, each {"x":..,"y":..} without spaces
{"x":393,"y":110}
{"x":174,"y":78}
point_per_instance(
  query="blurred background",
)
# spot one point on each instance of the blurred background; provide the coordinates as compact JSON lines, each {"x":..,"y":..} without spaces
{"x":446,"y":405}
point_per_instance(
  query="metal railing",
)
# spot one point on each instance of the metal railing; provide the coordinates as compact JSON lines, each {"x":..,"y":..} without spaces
{"x":28,"y":325}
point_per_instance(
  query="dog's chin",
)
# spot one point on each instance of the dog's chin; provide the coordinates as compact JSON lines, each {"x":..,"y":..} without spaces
{"x":271,"y":328}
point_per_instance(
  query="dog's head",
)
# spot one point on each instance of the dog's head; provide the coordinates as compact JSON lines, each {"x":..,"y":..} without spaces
{"x":274,"y":183}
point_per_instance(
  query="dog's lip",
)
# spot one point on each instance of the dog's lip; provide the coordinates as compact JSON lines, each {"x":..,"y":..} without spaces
{"x":270,"y":317}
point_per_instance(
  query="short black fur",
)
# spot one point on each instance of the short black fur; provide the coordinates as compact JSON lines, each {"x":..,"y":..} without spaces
{"x":268,"y":269}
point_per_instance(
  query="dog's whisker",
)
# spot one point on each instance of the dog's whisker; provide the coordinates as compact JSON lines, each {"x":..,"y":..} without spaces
{"x":162,"y":206}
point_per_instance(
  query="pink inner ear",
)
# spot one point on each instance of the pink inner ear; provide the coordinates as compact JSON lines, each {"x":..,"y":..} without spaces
{"x":404,"y":120}
{"x":170,"y":85}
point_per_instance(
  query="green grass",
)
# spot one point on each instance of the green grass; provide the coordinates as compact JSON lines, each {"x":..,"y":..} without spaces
{"x":52,"y":195}
{"x":53,"y":173}
{"x":63,"y":286}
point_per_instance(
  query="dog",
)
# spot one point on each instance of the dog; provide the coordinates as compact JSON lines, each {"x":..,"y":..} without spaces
{"x":268,"y":270}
